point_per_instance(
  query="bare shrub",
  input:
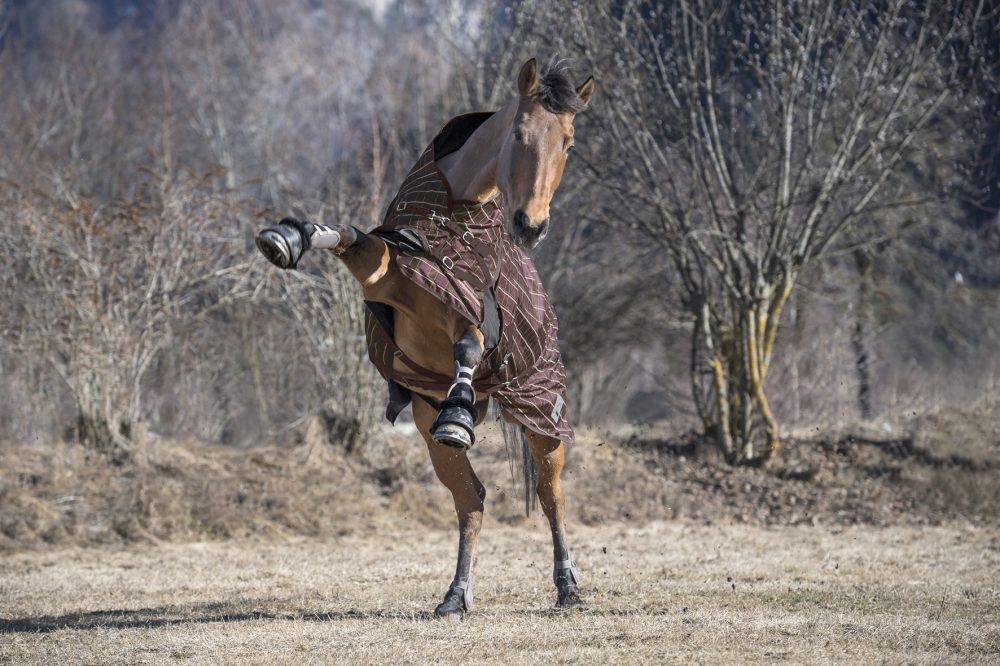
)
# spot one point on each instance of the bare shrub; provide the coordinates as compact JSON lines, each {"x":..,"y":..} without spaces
{"x":745,"y":142}
{"x":98,"y":288}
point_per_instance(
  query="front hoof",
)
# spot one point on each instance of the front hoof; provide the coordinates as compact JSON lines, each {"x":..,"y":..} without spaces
{"x":568,"y":598}
{"x":455,"y":424}
{"x":453,"y":435}
{"x":453,"y":606}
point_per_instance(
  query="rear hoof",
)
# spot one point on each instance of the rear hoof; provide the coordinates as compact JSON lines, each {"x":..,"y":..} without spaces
{"x":453,"y":606}
{"x":453,"y":435}
{"x":275,"y":248}
{"x":569,"y":599}
{"x":449,"y":616}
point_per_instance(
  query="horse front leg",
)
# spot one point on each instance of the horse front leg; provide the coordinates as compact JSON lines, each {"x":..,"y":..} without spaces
{"x":456,"y":421}
{"x":453,"y":469}
{"x":549,"y":455}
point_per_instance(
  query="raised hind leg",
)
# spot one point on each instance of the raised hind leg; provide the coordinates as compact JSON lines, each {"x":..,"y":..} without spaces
{"x":453,"y":469}
{"x":366,"y":257}
{"x":549,"y":455}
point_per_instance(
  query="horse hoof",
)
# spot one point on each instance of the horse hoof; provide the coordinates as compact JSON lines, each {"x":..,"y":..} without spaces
{"x":569,"y":599}
{"x":453,"y":435}
{"x":452,"y":608}
{"x":446,"y":616}
{"x":274,"y":247}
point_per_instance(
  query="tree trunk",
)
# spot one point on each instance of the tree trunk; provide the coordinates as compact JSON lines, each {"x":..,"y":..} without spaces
{"x":859,"y":335}
{"x":735,"y":357}
{"x":713,"y":408}
{"x":101,"y":427}
{"x":98,"y":432}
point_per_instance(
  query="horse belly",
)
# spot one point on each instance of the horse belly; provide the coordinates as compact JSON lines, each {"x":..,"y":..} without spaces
{"x":424,"y":341}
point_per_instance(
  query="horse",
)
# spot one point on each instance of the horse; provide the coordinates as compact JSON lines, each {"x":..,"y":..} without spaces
{"x":447,"y":283}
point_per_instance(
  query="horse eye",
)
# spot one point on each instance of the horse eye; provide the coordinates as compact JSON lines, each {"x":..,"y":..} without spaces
{"x":518,"y":136}
{"x":569,"y":148}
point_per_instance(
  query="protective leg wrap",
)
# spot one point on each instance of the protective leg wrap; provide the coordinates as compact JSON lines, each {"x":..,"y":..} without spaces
{"x":458,"y":600}
{"x":566,"y":577}
{"x":455,"y":424}
{"x":465,"y":587}
{"x":566,"y":569}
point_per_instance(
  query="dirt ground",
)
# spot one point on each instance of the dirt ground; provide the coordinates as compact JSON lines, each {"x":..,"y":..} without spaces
{"x":662,"y":592}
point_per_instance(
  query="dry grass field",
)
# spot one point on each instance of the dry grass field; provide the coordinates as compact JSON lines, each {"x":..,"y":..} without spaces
{"x":855,"y":547}
{"x":663,"y":592}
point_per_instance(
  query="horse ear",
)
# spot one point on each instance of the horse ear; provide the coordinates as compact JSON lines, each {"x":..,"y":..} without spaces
{"x":586,"y":90}
{"x":527,"y":80}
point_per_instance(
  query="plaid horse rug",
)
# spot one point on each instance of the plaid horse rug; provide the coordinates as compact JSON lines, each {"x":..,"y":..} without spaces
{"x":459,"y":252}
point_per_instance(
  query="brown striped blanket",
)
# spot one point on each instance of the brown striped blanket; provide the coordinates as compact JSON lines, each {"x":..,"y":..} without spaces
{"x":459,"y":252}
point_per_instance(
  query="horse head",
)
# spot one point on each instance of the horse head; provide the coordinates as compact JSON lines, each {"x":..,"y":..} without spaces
{"x":533,"y":154}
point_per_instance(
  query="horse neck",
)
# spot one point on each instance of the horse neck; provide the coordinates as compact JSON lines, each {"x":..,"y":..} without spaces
{"x":472,"y":169}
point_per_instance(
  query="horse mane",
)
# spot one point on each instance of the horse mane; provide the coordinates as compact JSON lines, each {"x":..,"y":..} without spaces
{"x":555,"y":90}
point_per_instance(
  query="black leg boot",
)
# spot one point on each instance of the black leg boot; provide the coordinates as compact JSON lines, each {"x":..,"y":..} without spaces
{"x":285,"y":243}
{"x":455,"y":424}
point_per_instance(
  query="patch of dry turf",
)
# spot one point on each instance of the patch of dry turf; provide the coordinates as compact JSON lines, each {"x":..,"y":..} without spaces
{"x":663,"y":592}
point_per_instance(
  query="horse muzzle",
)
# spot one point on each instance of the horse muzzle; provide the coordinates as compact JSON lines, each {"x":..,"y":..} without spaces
{"x":527,"y":234}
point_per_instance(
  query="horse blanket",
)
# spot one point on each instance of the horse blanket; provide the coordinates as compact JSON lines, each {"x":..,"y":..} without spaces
{"x":460,"y":252}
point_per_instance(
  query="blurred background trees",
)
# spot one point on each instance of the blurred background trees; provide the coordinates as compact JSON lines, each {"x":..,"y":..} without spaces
{"x":778,"y":214}
{"x":751,"y":139}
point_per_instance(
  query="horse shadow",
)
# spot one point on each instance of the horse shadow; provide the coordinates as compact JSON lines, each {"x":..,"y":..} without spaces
{"x":195,"y":613}
{"x":213,"y":612}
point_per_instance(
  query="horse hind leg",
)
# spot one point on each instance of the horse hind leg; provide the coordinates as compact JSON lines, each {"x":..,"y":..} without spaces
{"x":285,"y":243}
{"x":367,"y":257}
{"x":453,"y":469}
{"x":549,"y":455}
{"x":456,"y":422}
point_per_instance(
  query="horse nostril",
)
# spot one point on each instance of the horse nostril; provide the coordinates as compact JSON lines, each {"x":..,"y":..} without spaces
{"x":521,"y":220}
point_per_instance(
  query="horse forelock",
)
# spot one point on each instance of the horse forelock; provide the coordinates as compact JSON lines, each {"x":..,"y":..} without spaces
{"x":556,"y":91}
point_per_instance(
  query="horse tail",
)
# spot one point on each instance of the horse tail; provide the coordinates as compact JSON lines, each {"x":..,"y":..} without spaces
{"x":519,"y":458}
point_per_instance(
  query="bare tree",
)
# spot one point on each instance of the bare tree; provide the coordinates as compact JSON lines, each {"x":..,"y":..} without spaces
{"x":745,"y":139}
{"x":97,"y":289}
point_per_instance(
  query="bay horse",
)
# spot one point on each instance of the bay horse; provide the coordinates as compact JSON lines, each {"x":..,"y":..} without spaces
{"x":455,"y":306}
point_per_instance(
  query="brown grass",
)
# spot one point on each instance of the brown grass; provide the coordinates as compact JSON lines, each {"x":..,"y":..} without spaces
{"x":938,"y":470}
{"x":857,"y":546}
{"x":664,"y":592}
